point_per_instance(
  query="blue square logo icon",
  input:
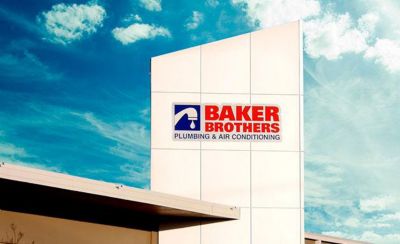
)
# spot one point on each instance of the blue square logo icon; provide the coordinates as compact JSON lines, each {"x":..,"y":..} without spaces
{"x":187,"y":117}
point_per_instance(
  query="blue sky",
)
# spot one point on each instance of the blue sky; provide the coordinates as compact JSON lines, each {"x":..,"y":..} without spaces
{"x":75,"y":93}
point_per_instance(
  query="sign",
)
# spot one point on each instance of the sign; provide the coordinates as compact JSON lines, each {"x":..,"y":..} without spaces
{"x":227,"y":122}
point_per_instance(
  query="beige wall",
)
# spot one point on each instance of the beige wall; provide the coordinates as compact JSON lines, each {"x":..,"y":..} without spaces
{"x":45,"y":230}
{"x":264,"y":179}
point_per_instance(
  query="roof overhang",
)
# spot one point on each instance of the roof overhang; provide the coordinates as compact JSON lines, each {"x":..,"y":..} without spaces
{"x":58,"y":195}
{"x":318,"y":238}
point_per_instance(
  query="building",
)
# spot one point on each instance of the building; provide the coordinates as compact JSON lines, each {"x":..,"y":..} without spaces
{"x":227,"y":138}
{"x":52,"y":208}
{"x":38,"y":206}
{"x":262,"y":177}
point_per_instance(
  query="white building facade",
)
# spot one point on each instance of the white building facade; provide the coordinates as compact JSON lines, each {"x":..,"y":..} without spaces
{"x":263,"y":178}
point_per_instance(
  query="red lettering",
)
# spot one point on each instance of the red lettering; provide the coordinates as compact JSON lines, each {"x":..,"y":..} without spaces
{"x":228,"y":127}
{"x":209,"y":127}
{"x":237,"y":127}
{"x":227,"y":113}
{"x":211,"y":112}
{"x":242,"y":113}
{"x":271,"y":113}
{"x":265,"y":127}
{"x":218,"y":127}
{"x":257,"y":113}
{"x":247,"y":127}
{"x":275,"y":128}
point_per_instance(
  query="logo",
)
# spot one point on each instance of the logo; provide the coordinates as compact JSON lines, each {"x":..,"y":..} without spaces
{"x":187,"y":117}
{"x":227,"y":122}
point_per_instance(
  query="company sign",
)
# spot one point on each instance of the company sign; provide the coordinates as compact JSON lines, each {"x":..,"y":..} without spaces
{"x":227,"y":122}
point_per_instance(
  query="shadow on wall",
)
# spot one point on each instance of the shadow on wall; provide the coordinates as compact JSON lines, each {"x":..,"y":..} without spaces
{"x":13,"y":236}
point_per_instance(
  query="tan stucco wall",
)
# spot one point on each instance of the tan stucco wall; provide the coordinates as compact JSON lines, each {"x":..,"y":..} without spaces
{"x":45,"y":230}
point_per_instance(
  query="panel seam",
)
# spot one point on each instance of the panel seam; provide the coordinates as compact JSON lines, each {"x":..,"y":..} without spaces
{"x":226,"y":93}
{"x":300,"y":125}
{"x":251,"y":165}
{"x":200,"y":151}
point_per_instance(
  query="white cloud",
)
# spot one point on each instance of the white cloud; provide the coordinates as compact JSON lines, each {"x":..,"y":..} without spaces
{"x":334,"y":35}
{"x":376,"y":204}
{"x":68,"y":23}
{"x":126,"y":151}
{"x":387,"y":53}
{"x":145,"y":114}
{"x":137,"y":18}
{"x":334,"y":233}
{"x":10,"y":150}
{"x":351,"y":174}
{"x":10,"y":153}
{"x":212,"y":3}
{"x":373,"y":237}
{"x":35,"y":165}
{"x":352,"y":222}
{"x":136,"y":32}
{"x":194,"y":21}
{"x":329,"y":35}
{"x":151,"y":5}
{"x":389,"y":217}
{"x":368,"y":236}
{"x":351,"y":183}
{"x":387,"y":13}
{"x":368,"y":22}
{"x":374,"y":34}
{"x":125,"y":133}
{"x":136,"y":173}
{"x":132,"y":143}
{"x":270,"y":13}
{"x":132,"y":17}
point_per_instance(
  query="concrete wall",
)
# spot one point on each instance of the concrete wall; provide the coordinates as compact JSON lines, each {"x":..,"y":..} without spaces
{"x":264,"y":179}
{"x":45,"y":230}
